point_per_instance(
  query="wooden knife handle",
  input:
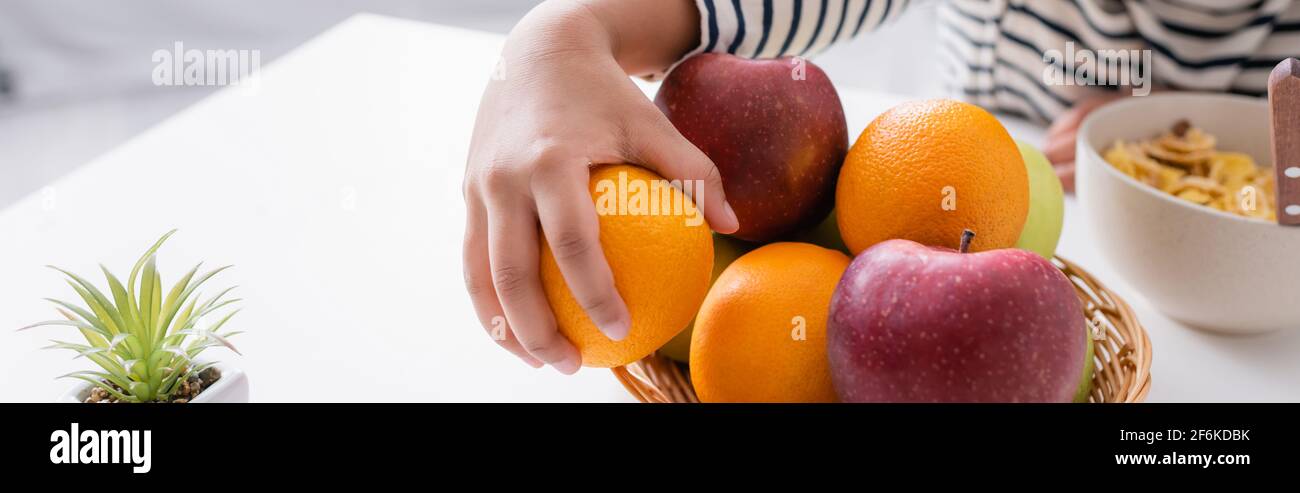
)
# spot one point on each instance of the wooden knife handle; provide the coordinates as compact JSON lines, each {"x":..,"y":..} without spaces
{"x":1284,"y":122}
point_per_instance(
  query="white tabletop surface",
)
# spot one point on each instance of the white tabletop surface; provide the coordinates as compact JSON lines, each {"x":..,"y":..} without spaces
{"x":333,"y":187}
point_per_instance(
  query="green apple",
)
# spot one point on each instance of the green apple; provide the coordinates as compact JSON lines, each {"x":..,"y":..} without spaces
{"x":725,"y":250}
{"x":1046,"y":204}
{"x":825,"y":235}
{"x":1085,"y":385}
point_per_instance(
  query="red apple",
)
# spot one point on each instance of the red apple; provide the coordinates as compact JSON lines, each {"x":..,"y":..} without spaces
{"x":774,"y":128}
{"x":912,"y":323}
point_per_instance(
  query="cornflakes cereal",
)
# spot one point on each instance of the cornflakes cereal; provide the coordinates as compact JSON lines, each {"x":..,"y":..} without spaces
{"x":1184,"y":162}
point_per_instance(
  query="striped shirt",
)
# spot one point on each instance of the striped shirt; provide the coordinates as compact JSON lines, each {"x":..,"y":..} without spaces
{"x":998,"y":53}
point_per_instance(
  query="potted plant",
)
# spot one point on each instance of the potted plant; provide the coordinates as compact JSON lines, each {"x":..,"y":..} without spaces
{"x":146,"y":341}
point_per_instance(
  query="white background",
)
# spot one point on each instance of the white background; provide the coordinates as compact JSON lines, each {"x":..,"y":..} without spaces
{"x":334,"y":189}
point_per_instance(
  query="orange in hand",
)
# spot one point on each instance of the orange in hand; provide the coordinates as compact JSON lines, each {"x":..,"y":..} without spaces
{"x":661,"y":257}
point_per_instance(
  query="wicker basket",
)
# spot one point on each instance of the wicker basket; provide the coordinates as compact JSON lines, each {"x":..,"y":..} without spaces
{"x":1123,"y":352}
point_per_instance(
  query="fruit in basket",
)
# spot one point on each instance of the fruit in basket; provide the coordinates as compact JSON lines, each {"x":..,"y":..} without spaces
{"x":1046,"y":204}
{"x":1085,"y":383}
{"x":913,"y":323}
{"x":725,"y":251}
{"x":826,"y":234}
{"x":761,"y":333}
{"x":774,"y":128}
{"x":661,"y":263}
{"x":926,"y":170}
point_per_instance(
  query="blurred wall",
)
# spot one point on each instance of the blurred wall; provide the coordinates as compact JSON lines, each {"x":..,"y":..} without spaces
{"x":79,"y":70}
{"x":68,"y":50}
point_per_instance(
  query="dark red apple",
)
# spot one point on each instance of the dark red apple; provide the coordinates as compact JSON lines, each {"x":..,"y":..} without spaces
{"x":912,"y":323}
{"x":774,"y":128}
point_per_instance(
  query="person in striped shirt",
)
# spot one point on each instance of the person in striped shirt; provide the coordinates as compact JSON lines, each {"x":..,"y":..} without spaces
{"x":567,"y":102}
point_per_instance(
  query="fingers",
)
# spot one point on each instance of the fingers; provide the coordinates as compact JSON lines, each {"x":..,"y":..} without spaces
{"x":1060,"y":150}
{"x":478,"y":281}
{"x":572,"y":230}
{"x":1070,"y":120}
{"x":1061,"y":134}
{"x":661,"y":148}
{"x":1065,"y":172}
{"x":512,"y":254}
{"x":1060,"y":146}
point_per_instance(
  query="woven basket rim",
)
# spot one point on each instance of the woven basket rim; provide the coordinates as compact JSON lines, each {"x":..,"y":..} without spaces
{"x":1122,"y":363}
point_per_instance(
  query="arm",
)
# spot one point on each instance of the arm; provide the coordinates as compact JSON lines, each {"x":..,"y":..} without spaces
{"x":566,"y":102}
{"x":647,"y":36}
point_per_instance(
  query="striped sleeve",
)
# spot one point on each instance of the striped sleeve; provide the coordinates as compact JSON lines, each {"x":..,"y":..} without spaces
{"x":776,"y":28}
{"x":1001,"y":55}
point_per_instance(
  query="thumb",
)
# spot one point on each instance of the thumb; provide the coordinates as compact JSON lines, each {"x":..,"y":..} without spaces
{"x":658,"y":146}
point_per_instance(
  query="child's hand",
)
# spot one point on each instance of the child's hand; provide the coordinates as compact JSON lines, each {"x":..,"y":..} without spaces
{"x":1061,"y":136}
{"x":563,"y":104}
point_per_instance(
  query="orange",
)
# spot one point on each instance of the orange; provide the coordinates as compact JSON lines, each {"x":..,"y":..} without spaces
{"x":725,"y":251}
{"x":760,"y":335}
{"x":661,"y":253}
{"x":926,"y":170}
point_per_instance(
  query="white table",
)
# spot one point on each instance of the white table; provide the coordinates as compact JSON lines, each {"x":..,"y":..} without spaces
{"x":334,"y":189}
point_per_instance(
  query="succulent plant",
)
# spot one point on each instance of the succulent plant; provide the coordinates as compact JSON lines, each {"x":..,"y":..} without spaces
{"x":144,"y":341}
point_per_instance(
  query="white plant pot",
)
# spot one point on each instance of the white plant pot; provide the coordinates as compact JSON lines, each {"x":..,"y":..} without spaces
{"x":232,"y":387}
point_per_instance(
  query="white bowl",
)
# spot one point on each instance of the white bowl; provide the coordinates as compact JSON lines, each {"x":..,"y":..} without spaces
{"x":232,"y":387}
{"x":1205,"y":268}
